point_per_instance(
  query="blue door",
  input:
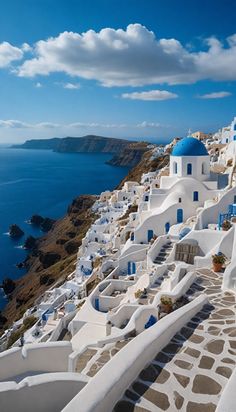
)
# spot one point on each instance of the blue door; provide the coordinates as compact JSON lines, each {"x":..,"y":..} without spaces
{"x":150,"y":235}
{"x":189,"y":168}
{"x":97,"y":303}
{"x":179,"y":215}
{"x":167,"y":227}
{"x":132,"y":236}
{"x":195,"y":196}
{"x":129,"y":268}
{"x":234,"y":199}
{"x":133,"y":268}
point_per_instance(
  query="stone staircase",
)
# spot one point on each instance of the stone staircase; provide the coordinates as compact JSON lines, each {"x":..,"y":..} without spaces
{"x":164,"y":253}
{"x":190,"y":373}
{"x":94,"y":358}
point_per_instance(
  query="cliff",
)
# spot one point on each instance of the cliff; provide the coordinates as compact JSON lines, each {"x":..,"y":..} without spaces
{"x":54,"y":255}
{"x":126,"y":153}
{"x":147,"y":164}
{"x":130,"y":155}
{"x":85,"y":144}
{"x":52,"y":258}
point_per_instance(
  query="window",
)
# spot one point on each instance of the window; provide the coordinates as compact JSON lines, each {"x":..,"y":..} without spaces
{"x":195,"y":196}
{"x":204,"y":168}
{"x":189,"y":168}
{"x":175,"y":168}
{"x":146,"y":198}
{"x":234,"y":199}
{"x":180,"y":200}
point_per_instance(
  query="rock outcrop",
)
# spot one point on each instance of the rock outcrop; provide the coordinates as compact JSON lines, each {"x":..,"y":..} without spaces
{"x":15,"y":231}
{"x":44,"y":223}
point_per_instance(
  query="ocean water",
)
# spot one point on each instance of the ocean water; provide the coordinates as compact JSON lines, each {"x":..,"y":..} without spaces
{"x":43,"y":182}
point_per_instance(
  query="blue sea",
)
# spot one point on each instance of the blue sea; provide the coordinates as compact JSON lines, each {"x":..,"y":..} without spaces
{"x":44,"y":182}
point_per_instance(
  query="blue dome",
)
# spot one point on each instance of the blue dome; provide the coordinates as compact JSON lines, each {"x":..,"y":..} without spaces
{"x":189,"y":146}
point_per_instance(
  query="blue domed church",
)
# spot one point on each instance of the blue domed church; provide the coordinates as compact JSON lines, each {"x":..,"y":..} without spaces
{"x":189,"y":158}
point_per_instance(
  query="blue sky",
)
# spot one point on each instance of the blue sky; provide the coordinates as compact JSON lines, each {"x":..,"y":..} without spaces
{"x":128,"y":68}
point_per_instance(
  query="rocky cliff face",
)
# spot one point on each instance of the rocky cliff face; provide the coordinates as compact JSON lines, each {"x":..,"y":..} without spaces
{"x":147,"y":164}
{"x":130,"y":155}
{"x":85,"y":144}
{"x":52,"y":258}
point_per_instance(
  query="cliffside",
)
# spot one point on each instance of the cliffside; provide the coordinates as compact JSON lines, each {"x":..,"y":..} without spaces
{"x":147,"y":164}
{"x":85,"y":144}
{"x":130,"y":155}
{"x":53,"y":257}
{"x":126,"y":153}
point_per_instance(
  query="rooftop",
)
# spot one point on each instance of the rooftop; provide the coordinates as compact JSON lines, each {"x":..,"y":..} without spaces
{"x":189,"y":146}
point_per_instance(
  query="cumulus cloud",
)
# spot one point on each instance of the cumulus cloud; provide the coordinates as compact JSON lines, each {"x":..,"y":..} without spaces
{"x":150,"y":95}
{"x":215,"y":95}
{"x":131,"y":57}
{"x":9,"y":53}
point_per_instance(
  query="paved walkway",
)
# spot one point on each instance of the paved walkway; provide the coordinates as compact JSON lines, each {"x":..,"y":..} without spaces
{"x":190,"y":373}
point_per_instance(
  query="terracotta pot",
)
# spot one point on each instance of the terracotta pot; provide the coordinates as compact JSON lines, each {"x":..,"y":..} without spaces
{"x":166,"y":308}
{"x":217,"y":267}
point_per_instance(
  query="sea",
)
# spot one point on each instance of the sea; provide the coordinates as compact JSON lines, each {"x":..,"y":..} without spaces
{"x":44,"y":182}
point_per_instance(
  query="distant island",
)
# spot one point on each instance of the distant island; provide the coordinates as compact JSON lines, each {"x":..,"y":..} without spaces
{"x":126,"y":152}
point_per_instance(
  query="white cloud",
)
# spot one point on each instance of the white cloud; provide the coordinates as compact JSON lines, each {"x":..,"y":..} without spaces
{"x":46,"y":125}
{"x":215,"y":95}
{"x":9,"y":53}
{"x":71,"y":86}
{"x":149,"y":125}
{"x":14,"y":124}
{"x":26,"y":47}
{"x":38,"y":85}
{"x":18,"y":124}
{"x":150,"y":95}
{"x":131,"y":57}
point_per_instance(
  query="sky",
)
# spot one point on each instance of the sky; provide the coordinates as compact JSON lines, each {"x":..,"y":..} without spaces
{"x":143,"y":69}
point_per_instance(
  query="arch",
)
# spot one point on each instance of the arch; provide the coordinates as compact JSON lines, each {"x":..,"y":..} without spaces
{"x":179,"y":215}
{"x":189,"y":168}
{"x":167,"y":227}
{"x":204,"y":168}
{"x":175,"y":168}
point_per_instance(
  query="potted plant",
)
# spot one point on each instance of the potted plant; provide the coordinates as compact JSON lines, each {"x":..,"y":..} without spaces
{"x":218,"y":260}
{"x":166,"y":304}
{"x":226,"y":225}
{"x":138,"y":293}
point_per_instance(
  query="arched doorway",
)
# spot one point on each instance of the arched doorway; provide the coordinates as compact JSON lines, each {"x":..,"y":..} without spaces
{"x":167,"y":227}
